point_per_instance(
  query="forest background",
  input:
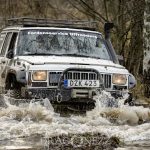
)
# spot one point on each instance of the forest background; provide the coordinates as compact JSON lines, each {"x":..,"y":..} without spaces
{"x":129,"y":17}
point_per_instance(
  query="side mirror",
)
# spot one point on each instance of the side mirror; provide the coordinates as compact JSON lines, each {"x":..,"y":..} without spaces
{"x":10,"y":54}
{"x":120,"y":59}
{"x":132,"y":81}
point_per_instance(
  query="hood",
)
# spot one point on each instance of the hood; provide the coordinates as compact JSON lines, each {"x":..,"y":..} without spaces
{"x":39,"y":60}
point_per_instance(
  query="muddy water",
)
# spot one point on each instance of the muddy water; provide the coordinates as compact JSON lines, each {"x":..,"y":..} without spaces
{"x":29,"y":125}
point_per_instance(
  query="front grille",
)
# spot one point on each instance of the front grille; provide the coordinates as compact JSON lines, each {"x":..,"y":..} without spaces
{"x":78,"y":75}
{"x":106,"y":80}
{"x":54,"y":78}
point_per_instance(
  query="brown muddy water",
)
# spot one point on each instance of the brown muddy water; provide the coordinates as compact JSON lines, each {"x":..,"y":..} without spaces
{"x":34,"y":126}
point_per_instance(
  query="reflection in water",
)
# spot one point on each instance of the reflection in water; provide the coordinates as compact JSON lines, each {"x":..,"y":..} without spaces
{"x":29,"y":123}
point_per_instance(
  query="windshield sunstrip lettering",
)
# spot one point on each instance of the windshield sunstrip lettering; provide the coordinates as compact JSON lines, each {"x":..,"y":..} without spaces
{"x":61,"y":33}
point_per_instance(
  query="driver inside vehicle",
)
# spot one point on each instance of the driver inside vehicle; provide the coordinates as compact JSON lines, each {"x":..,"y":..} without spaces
{"x":40,"y":44}
{"x":37,"y":45}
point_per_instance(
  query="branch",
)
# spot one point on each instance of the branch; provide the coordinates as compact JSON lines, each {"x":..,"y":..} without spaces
{"x":83,"y":10}
{"x":105,"y":5}
{"x":85,"y":4}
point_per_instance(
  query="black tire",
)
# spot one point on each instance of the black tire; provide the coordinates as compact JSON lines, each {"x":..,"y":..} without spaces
{"x":13,"y":87}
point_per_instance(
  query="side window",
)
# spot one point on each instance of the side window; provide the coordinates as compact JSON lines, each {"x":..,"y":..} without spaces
{"x":6,"y":43}
{"x":11,"y":47}
{"x":2,"y":37}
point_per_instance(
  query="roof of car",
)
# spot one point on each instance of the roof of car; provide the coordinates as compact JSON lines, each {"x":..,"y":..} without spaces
{"x":20,"y":28}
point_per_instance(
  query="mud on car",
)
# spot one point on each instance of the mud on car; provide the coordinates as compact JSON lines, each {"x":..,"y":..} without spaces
{"x":66,"y":62}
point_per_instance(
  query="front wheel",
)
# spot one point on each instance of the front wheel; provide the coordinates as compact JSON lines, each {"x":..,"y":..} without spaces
{"x":13,"y":87}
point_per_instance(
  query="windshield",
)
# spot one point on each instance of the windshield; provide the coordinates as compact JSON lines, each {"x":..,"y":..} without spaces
{"x":62,"y":42}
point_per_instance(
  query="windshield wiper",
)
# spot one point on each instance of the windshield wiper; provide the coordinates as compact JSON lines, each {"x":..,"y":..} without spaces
{"x":78,"y":55}
{"x":75,"y":55}
{"x":47,"y":54}
{"x":38,"y":54}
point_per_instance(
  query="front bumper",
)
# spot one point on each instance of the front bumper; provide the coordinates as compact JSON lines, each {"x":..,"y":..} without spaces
{"x":63,"y":95}
{"x":67,"y":95}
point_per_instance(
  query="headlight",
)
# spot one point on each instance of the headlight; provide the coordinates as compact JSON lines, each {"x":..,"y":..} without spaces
{"x":39,"y":75}
{"x":119,"y":79}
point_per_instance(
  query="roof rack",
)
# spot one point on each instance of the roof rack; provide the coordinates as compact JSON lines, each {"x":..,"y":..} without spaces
{"x":31,"y":22}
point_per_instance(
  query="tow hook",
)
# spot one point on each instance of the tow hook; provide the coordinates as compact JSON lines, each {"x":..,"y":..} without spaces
{"x":59,"y":98}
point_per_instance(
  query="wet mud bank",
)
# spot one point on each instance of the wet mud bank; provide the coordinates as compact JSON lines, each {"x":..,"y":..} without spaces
{"x":88,"y":141}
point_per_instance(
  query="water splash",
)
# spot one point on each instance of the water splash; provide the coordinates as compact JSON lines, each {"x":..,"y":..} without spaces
{"x":28,"y":119}
{"x":33,"y":111}
{"x":116,"y":112}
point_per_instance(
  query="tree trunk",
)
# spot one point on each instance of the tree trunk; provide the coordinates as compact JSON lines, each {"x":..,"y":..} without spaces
{"x":136,"y":44}
{"x":146,"y":60}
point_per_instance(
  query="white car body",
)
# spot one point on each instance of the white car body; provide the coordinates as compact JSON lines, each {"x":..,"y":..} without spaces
{"x":22,"y":66}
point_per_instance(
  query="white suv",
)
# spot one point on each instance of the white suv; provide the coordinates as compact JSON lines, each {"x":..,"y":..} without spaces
{"x":58,"y":61}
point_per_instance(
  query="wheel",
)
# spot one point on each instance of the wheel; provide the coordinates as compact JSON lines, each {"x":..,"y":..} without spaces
{"x":13,"y":88}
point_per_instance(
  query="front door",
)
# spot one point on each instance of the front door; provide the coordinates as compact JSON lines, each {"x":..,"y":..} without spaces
{"x":3,"y":59}
{"x":8,"y":48}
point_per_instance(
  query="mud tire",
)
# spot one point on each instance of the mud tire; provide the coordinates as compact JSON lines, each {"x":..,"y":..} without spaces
{"x":13,"y":87}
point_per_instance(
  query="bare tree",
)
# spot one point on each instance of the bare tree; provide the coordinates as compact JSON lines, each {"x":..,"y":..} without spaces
{"x":127,"y":15}
{"x":136,"y":42}
{"x":146,"y":60}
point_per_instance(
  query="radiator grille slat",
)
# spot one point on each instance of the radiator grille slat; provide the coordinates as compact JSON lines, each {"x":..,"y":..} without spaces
{"x":54,"y":78}
{"x":81,"y":75}
{"x":106,"y":80}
